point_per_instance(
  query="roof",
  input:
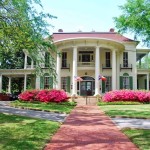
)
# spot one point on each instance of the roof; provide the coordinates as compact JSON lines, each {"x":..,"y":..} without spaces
{"x":106,"y":35}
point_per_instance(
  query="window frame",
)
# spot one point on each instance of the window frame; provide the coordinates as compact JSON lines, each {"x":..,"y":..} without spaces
{"x":125,"y":59}
{"x":107,"y":59}
{"x":108,"y":84}
{"x":64,"y":59}
{"x":64,"y":83}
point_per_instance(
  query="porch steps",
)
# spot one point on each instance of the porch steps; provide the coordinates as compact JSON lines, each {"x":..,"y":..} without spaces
{"x":86,"y":100}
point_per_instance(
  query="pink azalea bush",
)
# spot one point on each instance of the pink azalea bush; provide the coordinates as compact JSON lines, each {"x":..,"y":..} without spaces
{"x":44,"y":96}
{"x":29,"y":95}
{"x":127,"y":95}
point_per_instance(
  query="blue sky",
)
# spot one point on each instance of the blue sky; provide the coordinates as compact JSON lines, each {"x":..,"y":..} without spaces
{"x":85,"y":15}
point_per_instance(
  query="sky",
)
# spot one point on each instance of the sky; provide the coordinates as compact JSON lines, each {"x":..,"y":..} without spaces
{"x":83,"y":15}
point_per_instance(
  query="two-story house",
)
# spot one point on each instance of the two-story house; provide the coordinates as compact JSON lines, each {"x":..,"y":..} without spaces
{"x":88,"y":55}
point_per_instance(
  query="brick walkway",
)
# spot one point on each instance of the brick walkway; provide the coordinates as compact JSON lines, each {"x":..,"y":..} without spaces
{"x":87,"y":128}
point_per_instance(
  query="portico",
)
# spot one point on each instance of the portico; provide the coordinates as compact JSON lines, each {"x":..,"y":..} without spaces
{"x":88,"y":58}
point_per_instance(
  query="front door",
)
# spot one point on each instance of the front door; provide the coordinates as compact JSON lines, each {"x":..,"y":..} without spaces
{"x":86,"y":88}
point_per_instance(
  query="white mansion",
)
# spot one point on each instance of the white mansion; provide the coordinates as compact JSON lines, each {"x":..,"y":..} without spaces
{"x":88,"y":55}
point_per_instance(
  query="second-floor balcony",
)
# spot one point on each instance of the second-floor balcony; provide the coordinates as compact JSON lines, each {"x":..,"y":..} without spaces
{"x":65,"y":66}
{"x":126,"y":66}
{"x":86,"y":64}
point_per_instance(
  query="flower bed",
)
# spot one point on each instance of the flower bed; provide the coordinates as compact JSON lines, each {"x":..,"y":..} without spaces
{"x":44,"y":96}
{"x":127,"y":95}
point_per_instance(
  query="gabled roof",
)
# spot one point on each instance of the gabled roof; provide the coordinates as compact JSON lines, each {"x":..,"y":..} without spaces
{"x":106,"y":35}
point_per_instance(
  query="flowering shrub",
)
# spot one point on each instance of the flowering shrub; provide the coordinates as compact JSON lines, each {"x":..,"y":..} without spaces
{"x":44,"y":96}
{"x":29,"y":95}
{"x":127,"y":95}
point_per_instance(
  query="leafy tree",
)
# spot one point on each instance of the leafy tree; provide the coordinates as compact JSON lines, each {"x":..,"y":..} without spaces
{"x":135,"y":19}
{"x":22,"y":27}
{"x":12,"y":60}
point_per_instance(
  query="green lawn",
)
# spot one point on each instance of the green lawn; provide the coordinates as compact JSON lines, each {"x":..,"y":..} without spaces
{"x":132,"y":111}
{"x":139,"y":137}
{"x":23,"y":133}
{"x":64,"y":107}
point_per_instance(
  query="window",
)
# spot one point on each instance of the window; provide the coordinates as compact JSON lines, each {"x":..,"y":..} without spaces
{"x":107,"y":56}
{"x":64,"y":59}
{"x":47,"y":59}
{"x":85,"y":56}
{"x":125,"y":59}
{"x":64,"y":83}
{"x":126,"y":82}
{"x":46,"y":82}
{"x":108,"y":84}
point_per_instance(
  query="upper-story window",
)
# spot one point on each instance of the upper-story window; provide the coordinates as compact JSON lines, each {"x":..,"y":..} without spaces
{"x":107,"y":58}
{"x":64,"y":59}
{"x":47,"y":59}
{"x":125,"y":59}
{"x":86,"y":56}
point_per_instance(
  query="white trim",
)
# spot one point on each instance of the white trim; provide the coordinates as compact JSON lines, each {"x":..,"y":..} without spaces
{"x":74,"y":86}
{"x":9,"y":85}
{"x":58,"y":85}
{"x":114,"y":70}
{"x":25,"y":82}
{"x":97,"y":71}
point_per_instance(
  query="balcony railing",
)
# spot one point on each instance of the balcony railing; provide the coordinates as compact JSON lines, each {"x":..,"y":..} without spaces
{"x":143,"y":66}
{"x":127,"y":66}
{"x":86,"y":64}
{"x":65,"y":66}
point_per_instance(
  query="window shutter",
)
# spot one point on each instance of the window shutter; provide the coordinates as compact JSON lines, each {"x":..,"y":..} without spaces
{"x":121,"y":82}
{"x":131,"y":82}
{"x":51,"y":82}
{"x":103,"y":86}
{"x":68,"y":84}
{"x":41,"y":82}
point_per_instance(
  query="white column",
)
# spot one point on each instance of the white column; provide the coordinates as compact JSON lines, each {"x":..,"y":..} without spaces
{"x":147,"y":61}
{"x":32,"y":64}
{"x":0,"y":83}
{"x":97,"y":70}
{"x":114,"y":70}
{"x":148,"y":81}
{"x":74,"y":86}
{"x":25,"y":82}
{"x":37,"y":84}
{"x":25,"y":61}
{"x":58,"y":84}
{"x":9,"y":85}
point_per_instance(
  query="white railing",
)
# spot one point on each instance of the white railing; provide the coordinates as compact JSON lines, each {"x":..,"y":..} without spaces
{"x":86,"y":64}
{"x":30,"y":66}
{"x":142,"y":66}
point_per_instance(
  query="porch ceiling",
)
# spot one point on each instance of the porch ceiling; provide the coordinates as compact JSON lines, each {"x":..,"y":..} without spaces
{"x":90,"y":42}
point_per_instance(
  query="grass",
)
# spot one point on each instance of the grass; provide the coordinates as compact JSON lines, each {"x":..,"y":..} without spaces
{"x":64,"y":107}
{"x":131,"y":111}
{"x":119,"y":103}
{"x":140,"y":137}
{"x":23,"y":133}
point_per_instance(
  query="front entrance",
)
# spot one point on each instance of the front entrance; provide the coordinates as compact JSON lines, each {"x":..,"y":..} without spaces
{"x":87,"y":86}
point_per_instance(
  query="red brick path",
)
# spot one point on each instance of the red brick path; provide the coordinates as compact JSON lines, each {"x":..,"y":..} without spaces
{"x":88,"y":128}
